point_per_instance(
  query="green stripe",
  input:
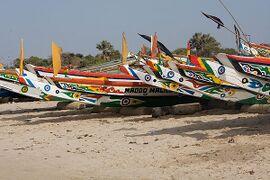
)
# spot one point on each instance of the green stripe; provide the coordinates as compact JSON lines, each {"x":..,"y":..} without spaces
{"x":209,"y":69}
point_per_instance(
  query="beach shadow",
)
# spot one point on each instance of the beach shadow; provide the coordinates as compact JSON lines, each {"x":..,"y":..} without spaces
{"x":241,"y":126}
{"x":201,"y":113}
{"x":20,"y":111}
{"x":59,"y":117}
{"x":55,"y":113}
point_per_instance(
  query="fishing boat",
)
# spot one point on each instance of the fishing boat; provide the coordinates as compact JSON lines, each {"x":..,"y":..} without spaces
{"x":151,"y":79}
{"x":258,"y":67}
{"x":224,"y":70}
{"x":230,"y":94}
{"x":218,"y":89}
{"x":31,"y":87}
{"x":95,"y":90}
{"x":254,"y":59}
{"x":223,"y":91}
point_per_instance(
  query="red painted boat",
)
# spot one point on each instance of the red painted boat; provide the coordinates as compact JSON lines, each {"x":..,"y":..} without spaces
{"x":79,"y":74}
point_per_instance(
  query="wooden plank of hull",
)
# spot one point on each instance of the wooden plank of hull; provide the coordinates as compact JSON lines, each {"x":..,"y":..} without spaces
{"x":117,"y":90}
{"x":206,"y":77}
{"x":202,"y":75}
{"x":129,"y":101}
{"x":9,"y":75}
{"x":256,"y":60}
{"x":98,"y":81}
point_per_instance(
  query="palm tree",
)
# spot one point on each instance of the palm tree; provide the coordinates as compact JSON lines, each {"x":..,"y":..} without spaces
{"x":106,"y":48}
{"x":204,"y":44}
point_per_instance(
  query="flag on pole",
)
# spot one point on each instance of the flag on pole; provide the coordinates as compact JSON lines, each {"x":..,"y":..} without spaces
{"x":215,"y":19}
{"x":160,"y":45}
{"x":21,"y":58}
{"x":188,"y":48}
{"x":237,"y":38}
{"x":124,"y":49}
{"x":56,"y":58}
{"x":154,"y":47}
{"x":143,"y":51}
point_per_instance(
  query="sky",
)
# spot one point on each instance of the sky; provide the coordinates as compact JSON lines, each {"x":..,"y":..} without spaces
{"x":78,"y":25}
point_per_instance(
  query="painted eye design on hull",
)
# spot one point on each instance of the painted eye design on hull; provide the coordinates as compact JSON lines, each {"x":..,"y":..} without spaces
{"x":47,"y":88}
{"x":24,"y":89}
{"x":147,"y":77}
{"x":244,"y":80}
{"x":125,"y":101}
{"x":222,"y":95}
{"x":76,"y":95}
{"x":170,"y":74}
{"x":260,"y":96}
{"x":181,"y":79}
{"x":221,"y":70}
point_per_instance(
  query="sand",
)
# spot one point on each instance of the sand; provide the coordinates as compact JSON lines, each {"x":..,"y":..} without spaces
{"x":39,"y":142}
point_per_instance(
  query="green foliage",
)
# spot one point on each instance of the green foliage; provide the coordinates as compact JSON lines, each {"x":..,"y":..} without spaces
{"x":204,"y":44}
{"x":228,"y":51}
{"x":77,"y":60}
{"x":33,"y":60}
{"x":107,"y":51}
{"x":180,"y":51}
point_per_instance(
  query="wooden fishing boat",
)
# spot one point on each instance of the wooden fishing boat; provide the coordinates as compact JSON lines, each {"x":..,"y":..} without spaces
{"x":226,"y":92}
{"x":218,"y":92}
{"x":108,"y":87}
{"x":262,"y":50}
{"x":99,"y":100}
{"x":70,"y":73}
{"x":200,"y":74}
{"x":101,"y":86}
{"x":225,"y":70}
{"x":27,"y":91}
{"x":258,"y":67}
{"x":165,"y":84}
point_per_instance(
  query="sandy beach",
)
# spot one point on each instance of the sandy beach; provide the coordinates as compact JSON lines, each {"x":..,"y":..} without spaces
{"x":40,"y":142}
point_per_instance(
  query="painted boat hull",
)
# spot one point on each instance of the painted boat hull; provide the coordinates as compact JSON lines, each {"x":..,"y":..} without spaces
{"x":225,"y":71}
{"x":218,"y":92}
{"x":41,"y":71}
{"x":168,"y":85}
{"x":256,"y":67}
{"x":38,"y":88}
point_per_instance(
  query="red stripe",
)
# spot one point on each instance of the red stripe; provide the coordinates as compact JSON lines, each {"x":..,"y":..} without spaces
{"x":22,"y":81}
{"x":194,"y":60}
{"x":259,"y":46}
{"x":99,"y":82}
{"x":86,"y":74}
{"x":192,"y":68}
{"x":257,"y":60}
{"x":123,"y":69}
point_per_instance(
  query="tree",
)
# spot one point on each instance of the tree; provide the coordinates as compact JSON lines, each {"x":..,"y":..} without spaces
{"x":71,"y":59}
{"x":228,"y":51}
{"x":107,"y":51}
{"x":34,"y":60}
{"x":180,"y":51}
{"x":204,"y":44}
{"x":87,"y":61}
